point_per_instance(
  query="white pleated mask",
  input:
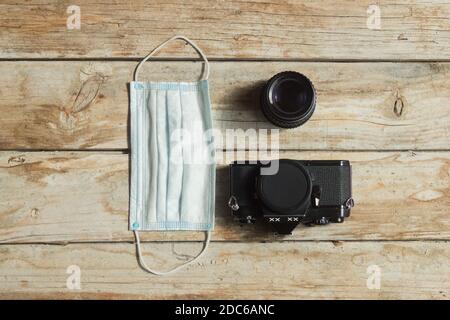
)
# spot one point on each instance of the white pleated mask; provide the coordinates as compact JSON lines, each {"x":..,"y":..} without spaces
{"x":172,"y":156}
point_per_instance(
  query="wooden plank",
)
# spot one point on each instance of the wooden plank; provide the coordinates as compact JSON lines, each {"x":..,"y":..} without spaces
{"x":331,"y":29}
{"x":294,"y":270}
{"x":83,"y":196}
{"x":361,"y":106}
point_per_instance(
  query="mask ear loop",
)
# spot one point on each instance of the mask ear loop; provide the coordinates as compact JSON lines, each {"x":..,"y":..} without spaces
{"x":156,"y":50}
{"x":185,"y":264}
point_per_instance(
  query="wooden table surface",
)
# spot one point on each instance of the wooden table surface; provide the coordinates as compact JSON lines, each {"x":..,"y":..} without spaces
{"x":383,"y":104}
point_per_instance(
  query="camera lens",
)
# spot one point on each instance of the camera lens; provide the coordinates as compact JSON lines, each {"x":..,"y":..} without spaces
{"x":288,"y":99}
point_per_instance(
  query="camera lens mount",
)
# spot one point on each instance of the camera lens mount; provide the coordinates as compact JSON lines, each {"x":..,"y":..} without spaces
{"x":286,"y":192}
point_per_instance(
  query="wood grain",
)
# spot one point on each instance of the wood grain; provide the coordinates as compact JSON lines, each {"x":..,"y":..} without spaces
{"x":83,"y":196}
{"x":409,"y":270}
{"x":331,"y":29}
{"x":361,"y":106}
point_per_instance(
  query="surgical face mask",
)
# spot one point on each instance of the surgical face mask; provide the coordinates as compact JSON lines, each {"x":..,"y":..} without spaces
{"x":172,"y":156}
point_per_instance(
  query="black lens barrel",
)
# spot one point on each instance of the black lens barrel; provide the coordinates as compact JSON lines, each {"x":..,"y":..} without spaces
{"x":288,"y":99}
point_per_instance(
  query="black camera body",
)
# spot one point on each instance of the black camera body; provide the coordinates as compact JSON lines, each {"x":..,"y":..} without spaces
{"x":288,"y":192}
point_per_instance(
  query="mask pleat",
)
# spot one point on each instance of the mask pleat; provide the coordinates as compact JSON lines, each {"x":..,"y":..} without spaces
{"x":151,"y":157}
{"x":162,"y":159}
{"x":135,"y":187}
{"x":175,"y":178}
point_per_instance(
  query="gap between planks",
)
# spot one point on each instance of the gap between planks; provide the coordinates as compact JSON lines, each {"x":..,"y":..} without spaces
{"x":187,"y":59}
{"x":219,"y":241}
{"x":127,"y":151}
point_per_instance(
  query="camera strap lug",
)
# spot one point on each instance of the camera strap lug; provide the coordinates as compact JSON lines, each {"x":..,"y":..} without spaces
{"x":233,"y":204}
{"x":350,"y":203}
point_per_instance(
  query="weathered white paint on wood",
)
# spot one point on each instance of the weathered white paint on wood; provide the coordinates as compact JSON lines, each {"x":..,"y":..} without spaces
{"x":294,"y":270}
{"x":331,"y":29}
{"x":83,"y":196}
{"x":361,"y":106}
